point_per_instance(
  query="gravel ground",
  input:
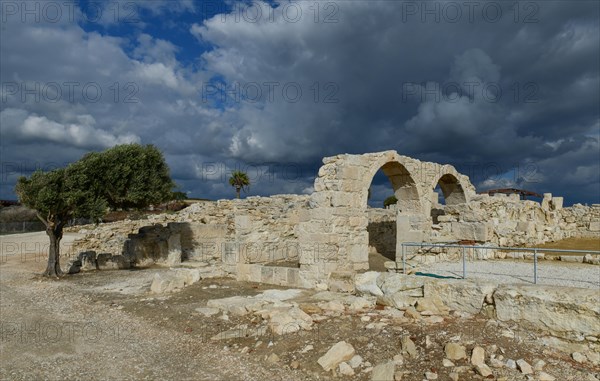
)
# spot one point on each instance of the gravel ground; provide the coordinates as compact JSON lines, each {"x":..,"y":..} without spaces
{"x":549,"y":273}
{"x":105,"y":325}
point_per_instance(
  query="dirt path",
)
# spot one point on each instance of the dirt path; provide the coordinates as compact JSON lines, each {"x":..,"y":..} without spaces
{"x":575,"y":244}
{"x":61,"y":330}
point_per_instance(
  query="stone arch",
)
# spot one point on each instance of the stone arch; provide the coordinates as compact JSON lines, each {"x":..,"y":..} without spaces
{"x":344,"y":180}
{"x":405,"y":188}
{"x":333,"y":232}
{"x":452,"y":188}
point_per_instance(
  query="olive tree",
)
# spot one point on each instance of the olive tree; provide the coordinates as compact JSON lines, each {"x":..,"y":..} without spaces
{"x":390,"y":201}
{"x":125,"y":176}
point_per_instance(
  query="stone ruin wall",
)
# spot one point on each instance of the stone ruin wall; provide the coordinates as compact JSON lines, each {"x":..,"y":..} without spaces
{"x":227,"y":233}
{"x":333,"y":235}
{"x":313,"y":241}
{"x":508,"y":221}
{"x":382,"y":231}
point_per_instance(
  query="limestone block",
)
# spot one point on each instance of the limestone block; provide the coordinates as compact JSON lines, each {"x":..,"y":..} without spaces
{"x":174,"y":246}
{"x":352,"y":172}
{"x":308,"y":278}
{"x":327,"y":170}
{"x":289,"y":321}
{"x":557,"y":203}
{"x":461,"y":295}
{"x":105,"y":262}
{"x":594,"y":226}
{"x":391,"y":283}
{"x":398,"y":300}
{"x":572,"y":258}
{"x":471,"y":231}
{"x":243,"y":272}
{"x":563,"y":314}
{"x":337,"y":354}
{"x":341,"y":282}
{"x":319,"y":238}
{"x":267,"y":274}
{"x":481,"y":252}
{"x":366,"y":283}
{"x":174,"y":280}
{"x":514,"y":197}
{"x":526,"y":227}
{"x":88,"y":260}
{"x":159,"y":284}
{"x":320,"y":199}
{"x":384,"y":371}
{"x":230,"y":253}
{"x":546,"y":201}
{"x":280,"y":276}
{"x":345,"y":199}
{"x":358,"y":253}
{"x":304,"y":215}
{"x":446,"y":218}
{"x":455,"y":351}
{"x":293,"y":277}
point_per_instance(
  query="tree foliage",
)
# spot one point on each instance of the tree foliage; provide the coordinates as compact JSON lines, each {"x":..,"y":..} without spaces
{"x":390,"y":201}
{"x":179,"y":196}
{"x":125,"y":176}
{"x":240,"y":181}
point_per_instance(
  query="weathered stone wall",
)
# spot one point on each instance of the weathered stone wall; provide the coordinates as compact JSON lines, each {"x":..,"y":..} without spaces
{"x":111,"y":237}
{"x":508,"y":221}
{"x":382,"y":231}
{"x":333,"y":234}
{"x":228,"y":233}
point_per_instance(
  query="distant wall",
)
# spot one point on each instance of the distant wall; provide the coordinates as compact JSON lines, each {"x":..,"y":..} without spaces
{"x":382,"y":230}
{"x":19,"y":219}
{"x":508,"y":221}
{"x":21,"y":227}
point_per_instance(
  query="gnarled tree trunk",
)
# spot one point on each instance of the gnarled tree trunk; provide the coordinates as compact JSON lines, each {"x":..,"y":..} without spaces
{"x":55,"y":233}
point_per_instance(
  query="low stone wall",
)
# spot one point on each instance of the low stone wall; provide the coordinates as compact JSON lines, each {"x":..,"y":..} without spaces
{"x":422,"y":255}
{"x":568,"y":313}
{"x":21,"y":227}
{"x":228,"y":233}
{"x":278,"y":275}
{"x":508,"y":221}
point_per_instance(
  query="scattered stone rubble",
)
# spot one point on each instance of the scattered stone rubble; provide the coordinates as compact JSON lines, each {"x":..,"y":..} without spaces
{"x":544,"y":308}
{"x":285,"y":312}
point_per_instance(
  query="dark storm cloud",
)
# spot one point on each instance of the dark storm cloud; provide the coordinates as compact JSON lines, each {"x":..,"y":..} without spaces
{"x":498,"y":85}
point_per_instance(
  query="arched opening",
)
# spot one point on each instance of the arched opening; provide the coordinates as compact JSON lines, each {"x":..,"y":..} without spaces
{"x":392,"y":180}
{"x":438,"y":201}
{"x":451,"y":190}
{"x":403,"y":185}
{"x":447,"y":191}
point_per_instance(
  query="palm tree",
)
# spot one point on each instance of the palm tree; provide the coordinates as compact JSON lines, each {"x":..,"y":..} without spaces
{"x":240,"y":181}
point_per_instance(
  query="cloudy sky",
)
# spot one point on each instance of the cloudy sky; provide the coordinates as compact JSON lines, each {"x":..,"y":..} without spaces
{"x":507,"y":93}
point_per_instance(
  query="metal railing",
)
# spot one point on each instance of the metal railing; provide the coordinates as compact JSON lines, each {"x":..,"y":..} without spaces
{"x":535,"y":251}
